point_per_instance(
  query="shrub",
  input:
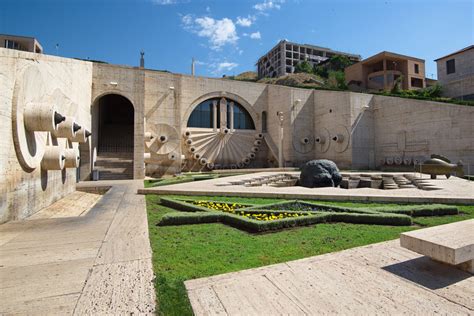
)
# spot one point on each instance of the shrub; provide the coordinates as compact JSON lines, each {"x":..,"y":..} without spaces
{"x":304,"y":67}
{"x":378,"y":219}
{"x":420,"y":210}
{"x":186,"y":218}
{"x":294,"y":213}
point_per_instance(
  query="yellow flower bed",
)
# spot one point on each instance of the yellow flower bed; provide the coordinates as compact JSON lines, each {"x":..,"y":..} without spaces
{"x":223,"y":207}
{"x":270,"y":216}
{"x":233,"y":209}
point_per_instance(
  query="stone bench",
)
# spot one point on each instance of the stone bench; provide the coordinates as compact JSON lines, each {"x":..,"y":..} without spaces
{"x":451,"y":244}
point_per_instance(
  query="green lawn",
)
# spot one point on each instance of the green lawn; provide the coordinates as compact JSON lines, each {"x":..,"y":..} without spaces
{"x":193,"y":251}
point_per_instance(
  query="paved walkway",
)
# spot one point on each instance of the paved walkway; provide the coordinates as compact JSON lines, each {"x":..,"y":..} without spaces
{"x":380,"y":279}
{"x":99,"y":263}
{"x":453,"y":190}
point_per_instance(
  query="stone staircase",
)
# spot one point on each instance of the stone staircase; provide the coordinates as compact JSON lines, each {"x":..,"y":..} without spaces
{"x":115,"y":166}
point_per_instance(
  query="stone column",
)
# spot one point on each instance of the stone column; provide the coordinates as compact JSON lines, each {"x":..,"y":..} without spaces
{"x":214,"y":115}
{"x":385,"y":74}
{"x":231,"y":104}
{"x":223,"y":109}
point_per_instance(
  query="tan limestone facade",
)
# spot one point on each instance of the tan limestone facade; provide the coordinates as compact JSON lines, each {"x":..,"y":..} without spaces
{"x":146,"y":122}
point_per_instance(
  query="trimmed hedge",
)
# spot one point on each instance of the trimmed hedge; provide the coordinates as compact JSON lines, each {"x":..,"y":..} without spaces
{"x":255,"y":226}
{"x":186,"y":218}
{"x":378,"y":219}
{"x":316,"y":207}
{"x":420,"y":210}
{"x":240,"y":222}
{"x":320,"y":213}
{"x":182,"y":205}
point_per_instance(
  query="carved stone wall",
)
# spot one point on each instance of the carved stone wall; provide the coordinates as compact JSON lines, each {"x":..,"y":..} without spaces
{"x":38,"y":155}
{"x":355,"y":130}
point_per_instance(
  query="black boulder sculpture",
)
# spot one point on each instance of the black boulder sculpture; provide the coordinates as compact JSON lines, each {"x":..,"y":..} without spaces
{"x":320,"y":173}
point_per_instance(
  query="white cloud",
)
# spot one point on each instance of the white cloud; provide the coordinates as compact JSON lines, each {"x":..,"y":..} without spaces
{"x":268,"y":5}
{"x":218,"y":32}
{"x":226,"y":66}
{"x":219,"y":68}
{"x":187,"y":20}
{"x":168,"y":2}
{"x":255,"y":35}
{"x":245,"y":22}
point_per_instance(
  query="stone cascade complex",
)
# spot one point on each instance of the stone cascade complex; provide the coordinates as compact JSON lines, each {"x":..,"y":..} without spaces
{"x":133,"y":122}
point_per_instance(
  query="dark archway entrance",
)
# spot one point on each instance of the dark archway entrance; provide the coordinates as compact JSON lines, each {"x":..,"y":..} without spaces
{"x":116,"y":117}
{"x":115,"y":136}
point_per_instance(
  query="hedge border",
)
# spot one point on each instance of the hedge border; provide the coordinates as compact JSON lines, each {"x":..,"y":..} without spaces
{"x":328,"y":208}
{"x":194,"y":214}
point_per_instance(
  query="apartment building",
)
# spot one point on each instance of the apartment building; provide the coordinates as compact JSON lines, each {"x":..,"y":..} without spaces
{"x":24,"y":43}
{"x":283,"y":58}
{"x":381,"y":71}
{"x":456,"y":74}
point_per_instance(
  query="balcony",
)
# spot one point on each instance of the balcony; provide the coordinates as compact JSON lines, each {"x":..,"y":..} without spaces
{"x":375,"y":80}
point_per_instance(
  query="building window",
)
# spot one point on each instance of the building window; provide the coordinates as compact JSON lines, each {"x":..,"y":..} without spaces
{"x":417,"y":82}
{"x":242,"y":118}
{"x":450,"y":67}
{"x":417,"y":69}
{"x":12,"y":44}
{"x":202,"y":115}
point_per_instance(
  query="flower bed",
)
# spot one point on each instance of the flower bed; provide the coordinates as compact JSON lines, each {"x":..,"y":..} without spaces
{"x":233,"y":208}
{"x":219,"y":206}
{"x":287,"y":214}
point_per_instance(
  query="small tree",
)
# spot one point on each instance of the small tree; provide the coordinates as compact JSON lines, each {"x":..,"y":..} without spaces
{"x":396,"y":85}
{"x":304,"y":67}
{"x":321,"y":71}
{"x":339,"y":63}
{"x":433,"y":91}
{"x":337,"y":79}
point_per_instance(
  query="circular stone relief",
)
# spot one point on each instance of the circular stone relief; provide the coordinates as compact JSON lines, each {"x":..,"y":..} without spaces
{"x":29,"y":145}
{"x":165,"y":139}
{"x":322,"y":140}
{"x":340,"y":138}
{"x":302,"y":142}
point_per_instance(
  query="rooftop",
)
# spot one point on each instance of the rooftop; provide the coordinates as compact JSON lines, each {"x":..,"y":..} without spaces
{"x":458,"y":52}
{"x":311,"y":46}
{"x":384,"y":54}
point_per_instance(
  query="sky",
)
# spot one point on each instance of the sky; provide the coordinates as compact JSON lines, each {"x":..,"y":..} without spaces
{"x":228,"y":36}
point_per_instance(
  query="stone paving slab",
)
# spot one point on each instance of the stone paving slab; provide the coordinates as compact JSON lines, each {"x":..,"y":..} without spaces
{"x":376,"y":279}
{"x":75,"y":204}
{"x":93,"y":262}
{"x":451,"y":191}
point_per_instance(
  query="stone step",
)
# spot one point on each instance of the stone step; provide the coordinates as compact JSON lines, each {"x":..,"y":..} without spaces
{"x":113,"y":164}
{"x":115,"y":159}
{"x":114,"y":176}
{"x":115,"y":170}
{"x":126,"y":155}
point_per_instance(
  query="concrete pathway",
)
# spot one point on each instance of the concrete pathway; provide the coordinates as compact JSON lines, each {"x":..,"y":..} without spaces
{"x":99,"y":263}
{"x":380,"y":279}
{"x":452,"y":191}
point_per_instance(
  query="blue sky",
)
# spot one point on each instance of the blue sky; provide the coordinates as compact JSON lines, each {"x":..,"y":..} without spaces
{"x":228,"y":36}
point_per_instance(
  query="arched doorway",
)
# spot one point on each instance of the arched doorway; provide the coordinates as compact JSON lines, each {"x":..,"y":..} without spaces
{"x":115,"y":128}
{"x":114,"y":125}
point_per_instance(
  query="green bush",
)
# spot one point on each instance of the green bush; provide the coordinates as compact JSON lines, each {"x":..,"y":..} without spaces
{"x":313,"y":213}
{"x":420,"y":210}
{"x":311,"y":207}
{"x":182,"y":205}
{"x":378,"y":219}
{"x":186,"y":218}
{"x":304,"y":67}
